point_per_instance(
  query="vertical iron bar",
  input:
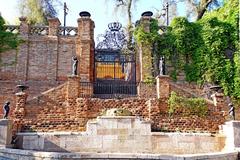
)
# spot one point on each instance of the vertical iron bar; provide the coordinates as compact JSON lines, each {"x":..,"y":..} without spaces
{"x":167,"y":5}
{"x":65,"y":14}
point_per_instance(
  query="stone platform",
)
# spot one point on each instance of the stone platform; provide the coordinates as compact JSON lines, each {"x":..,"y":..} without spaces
{"x":121,"y":134}
{"x":13,"y":154}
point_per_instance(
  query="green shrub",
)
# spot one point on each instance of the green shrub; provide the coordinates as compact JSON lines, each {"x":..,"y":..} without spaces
{"x":188,"y":106}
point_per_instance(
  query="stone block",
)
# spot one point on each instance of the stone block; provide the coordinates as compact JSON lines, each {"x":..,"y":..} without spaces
{"x":33,"y":142}
{"x":231,"y":130}
{"x":5,"y":132}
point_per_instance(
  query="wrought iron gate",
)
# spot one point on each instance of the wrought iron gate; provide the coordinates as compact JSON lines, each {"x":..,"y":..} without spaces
{"x":115,"y":70}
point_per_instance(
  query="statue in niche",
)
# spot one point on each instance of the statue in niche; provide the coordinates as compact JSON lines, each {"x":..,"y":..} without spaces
{"x":74,"y":65}
{"x":162,"y":66}
{"x":6,"y":109}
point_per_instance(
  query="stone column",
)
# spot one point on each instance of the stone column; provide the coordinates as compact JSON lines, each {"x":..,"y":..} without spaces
{"x":53,"y":46}
{"x":85,"y":47}
{"x":5,"y":132}
{"x":73,"y":87}
{"x":145,"y":51}
{"x":163,"y":86}
{"x":23,"y":52}
{"x":19,"y":112}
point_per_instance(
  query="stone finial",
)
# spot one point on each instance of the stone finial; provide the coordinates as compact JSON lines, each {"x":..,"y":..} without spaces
{"x":54,"y":23}
{"x":147,"y":14}
{"x":24,"y":26}
{"x":85,"y":14}
{"x":145,"y":20}
{"x":23,"y":19}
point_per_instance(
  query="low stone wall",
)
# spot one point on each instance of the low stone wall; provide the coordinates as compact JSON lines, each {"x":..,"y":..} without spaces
{"x":127,"y":134}
{"x":12,"y":154}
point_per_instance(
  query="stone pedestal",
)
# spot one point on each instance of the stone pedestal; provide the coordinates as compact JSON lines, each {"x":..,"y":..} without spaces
{"x":5,"y":132}
{"x":163,"y":86}
{"x":19,"y":111}
{"x":231,"y":130}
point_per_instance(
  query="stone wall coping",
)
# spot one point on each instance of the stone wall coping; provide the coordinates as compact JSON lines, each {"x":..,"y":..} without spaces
{"x":4,"y":121}
{"x":116,"y":117}
{"x":163,"y":76}
{"x":185,"y":134}
{"x":20,"y":93}
{"x":232,"y":121}
{"x":57,"y":155}
{"x":48,"y":133}
{"x":152,"y":133}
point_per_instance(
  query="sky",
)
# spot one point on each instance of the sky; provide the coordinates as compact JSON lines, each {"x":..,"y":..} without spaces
{"x":101,"y":12}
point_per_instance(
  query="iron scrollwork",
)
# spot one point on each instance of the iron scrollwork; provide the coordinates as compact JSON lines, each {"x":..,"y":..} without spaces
{"x":114,"y":38}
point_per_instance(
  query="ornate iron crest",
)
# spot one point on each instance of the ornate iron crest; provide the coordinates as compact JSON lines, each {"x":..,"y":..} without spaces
{"x":113,"y":39}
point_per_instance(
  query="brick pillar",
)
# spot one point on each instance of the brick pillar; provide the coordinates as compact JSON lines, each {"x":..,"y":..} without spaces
{"x":163,"y":86}
{"x":85,"y":47}
{"x":145,"y":52}
{"x":218,"y":100}
{"x":54,"y":24}
{"x":19,"y":112}
{"x":73,"y":88}
{"x":5,"y":132}
{"x":23,"y":52}
{"x":53,"y":46}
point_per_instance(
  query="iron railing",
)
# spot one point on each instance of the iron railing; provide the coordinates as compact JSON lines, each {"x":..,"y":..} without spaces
{"x":39,"y":30}
{"x":12,"y":28}
{"x":67,"y":31}
{"x":44,"y":30}
{"x":108,"y":89}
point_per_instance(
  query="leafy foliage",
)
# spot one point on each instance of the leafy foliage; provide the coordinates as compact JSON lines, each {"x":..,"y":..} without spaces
{"x":8,"y":40}
{"x":188,"y":106}
{"x":206,"y":50}
{"x":37,"y":11}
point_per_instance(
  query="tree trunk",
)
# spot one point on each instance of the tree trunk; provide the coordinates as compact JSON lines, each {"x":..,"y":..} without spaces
{"x":202,"y":8}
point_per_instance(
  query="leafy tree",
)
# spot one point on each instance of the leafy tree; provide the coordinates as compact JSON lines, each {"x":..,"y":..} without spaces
{"x":198,"y":8}
{"x":37,"y":11}
{"x":8,"y":40}
{"x":126,"y":6}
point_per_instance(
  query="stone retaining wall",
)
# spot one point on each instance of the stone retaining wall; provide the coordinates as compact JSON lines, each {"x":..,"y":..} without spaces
{"x":122,"y":134}
{"x":52,"y":112}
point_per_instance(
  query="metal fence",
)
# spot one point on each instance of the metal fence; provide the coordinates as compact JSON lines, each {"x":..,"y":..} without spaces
{"x":108,"y":90}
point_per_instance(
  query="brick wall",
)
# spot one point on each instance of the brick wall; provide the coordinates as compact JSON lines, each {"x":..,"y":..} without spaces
{"x":8,"y":90}
{"x":49,"y":58}
{"x":42,"y":56}
{"x":52,"y":111}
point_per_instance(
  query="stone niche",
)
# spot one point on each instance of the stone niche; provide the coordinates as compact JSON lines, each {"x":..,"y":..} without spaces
{"x":121,"y":134}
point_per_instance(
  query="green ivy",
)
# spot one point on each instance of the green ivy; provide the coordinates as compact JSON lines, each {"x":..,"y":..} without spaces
{"x":147,"y":38}
{"x":188,"y":106}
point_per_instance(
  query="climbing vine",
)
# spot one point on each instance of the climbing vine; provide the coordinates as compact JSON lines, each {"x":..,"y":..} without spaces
{"x":207,"y":51}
